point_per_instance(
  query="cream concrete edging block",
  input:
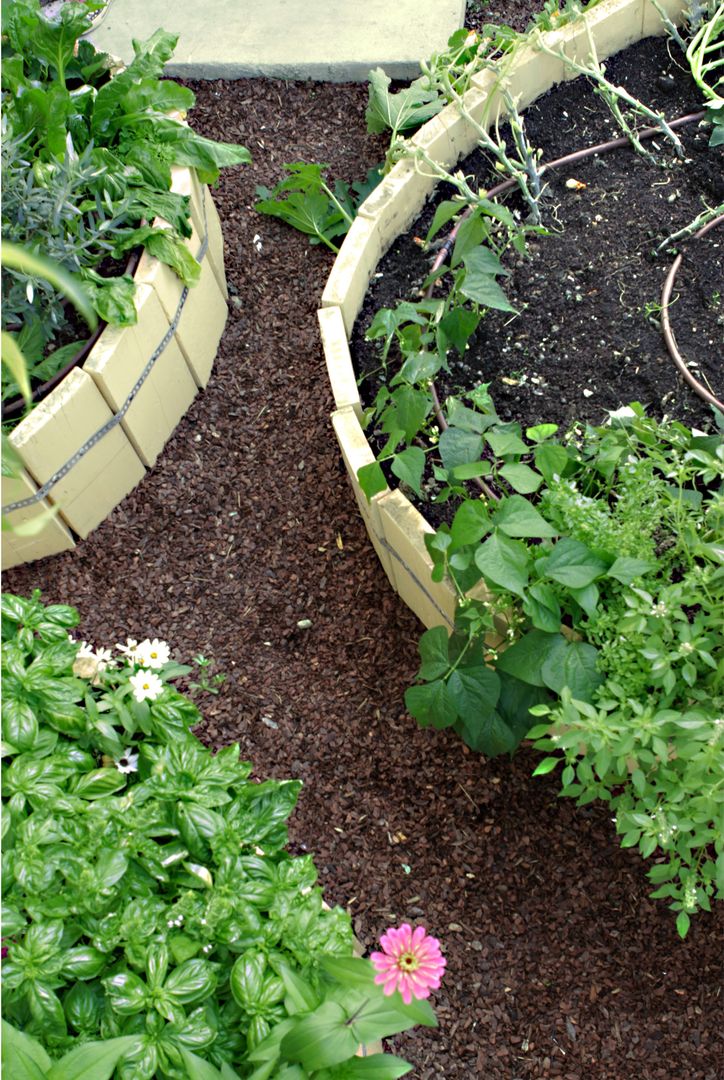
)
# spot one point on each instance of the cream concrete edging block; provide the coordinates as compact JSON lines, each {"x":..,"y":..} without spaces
{"x":73,"y":414}
{"x":52,"y":539}
{"x":117,"y":361}
{"x":352,"y":270}
{"x":404,"y":530}
{"x":55,"y":430}
{"x":396,"y":528}
{"x":204,"y":312}
{"x":357,"y":452}
{"x":204,"y":218}
{"x":338,"y":360}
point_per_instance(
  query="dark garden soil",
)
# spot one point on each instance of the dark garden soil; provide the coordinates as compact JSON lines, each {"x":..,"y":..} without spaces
{"x":558,"y":963}
{"x":587,"y":338}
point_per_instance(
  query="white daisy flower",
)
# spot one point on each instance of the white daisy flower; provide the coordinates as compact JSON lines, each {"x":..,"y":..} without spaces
{"x":129,"y":650}
{"x":127,"y":762}
{"x":146,"y":685}
{"x":153,"y":654}
{"x":104,"y":659}
{"x":85,"y":650}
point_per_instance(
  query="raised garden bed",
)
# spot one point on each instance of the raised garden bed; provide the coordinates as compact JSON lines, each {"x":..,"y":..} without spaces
{"x":395,"y":526}
{"x":92,"y":439}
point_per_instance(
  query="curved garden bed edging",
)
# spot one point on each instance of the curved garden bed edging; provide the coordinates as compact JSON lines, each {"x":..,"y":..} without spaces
{"x":90,"y":442}
{"x":395,"y":527}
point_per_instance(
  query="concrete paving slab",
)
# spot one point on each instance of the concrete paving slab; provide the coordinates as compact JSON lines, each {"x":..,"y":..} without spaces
{"x":328,"y":40}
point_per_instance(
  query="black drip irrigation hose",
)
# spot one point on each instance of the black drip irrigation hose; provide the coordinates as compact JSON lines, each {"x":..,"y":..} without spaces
{"x":668,"y":333}
{"x":506,"y":185}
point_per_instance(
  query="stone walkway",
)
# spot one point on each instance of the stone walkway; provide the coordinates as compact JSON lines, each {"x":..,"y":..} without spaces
{"x":330,"y":40}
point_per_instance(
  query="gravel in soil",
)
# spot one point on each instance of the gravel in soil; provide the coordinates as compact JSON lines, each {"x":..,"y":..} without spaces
{"x":558,"y":963}
{"x":587,"y":338}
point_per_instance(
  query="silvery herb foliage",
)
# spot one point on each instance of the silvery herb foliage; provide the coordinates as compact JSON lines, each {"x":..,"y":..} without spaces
{"x":153,"y":923}
{"x":91,"y":149}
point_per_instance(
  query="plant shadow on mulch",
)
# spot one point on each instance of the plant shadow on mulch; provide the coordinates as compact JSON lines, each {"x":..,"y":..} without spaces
{"x":558,"y":964}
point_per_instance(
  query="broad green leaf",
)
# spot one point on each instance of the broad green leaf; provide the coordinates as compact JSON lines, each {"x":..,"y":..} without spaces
{"x":504,"y":562}
{"x":517,"y":517}
{"x":573,"y":666}
{"x":322,"y":1039}
{"x":309,"y":212}
{"x":487,"y":733}
{"x":445,"y":212}
{"x":460,"y":416}
{"x":458,"y":326}
{"x":474,"y":691}
{"x":19,"y":723}
{"x":526,"y":657}
{"x":170,"y":249}
{"x":550,"y":459}
{"x":197,"y":1068}
{"x":516,"y":700}
{"x":300,"y":997}
{"x":126,"y":991}
{"x":627,"y":569}
{"x":521,"y":477}
{"x":379,"y":1017}
{"x":17,"y":1042}
{"x":471,"y":232}
{"x":541,"y":432}
{"x":83,"y":962}
{"x":459,"y":447}
{"x":573,"y":564}
{"x":546,"y":765}
{"x":93,"y":1061}
{"x":541,"y":605}
{"x":112,"y":298}
{"x":403,"y":111}
{"x":349,"y":970}
{"x":479,"y":283}
{"x":407,"y":412}
{"x":431,"y":704}
{"x":587,"y":598}
{"x":682,"y":924}
{"x":46,"y":1007}
{"x":374,"y":1067}
{"x":471,"y":471}
{"x":503,"y":443}
{"x":371,"y":479}
{"x":434,"y":653}
{"x":18,"y":1064}
{"x":470,"y":524}
{"x":247,"y":978}
{"x":408,"y":466}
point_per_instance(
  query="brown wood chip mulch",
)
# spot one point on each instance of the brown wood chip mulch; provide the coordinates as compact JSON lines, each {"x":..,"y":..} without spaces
{"x":558,"y":963}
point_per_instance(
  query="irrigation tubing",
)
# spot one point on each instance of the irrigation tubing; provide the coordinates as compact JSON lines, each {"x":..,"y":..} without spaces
{"x":570,"y":159}
{"x":666,"y":322}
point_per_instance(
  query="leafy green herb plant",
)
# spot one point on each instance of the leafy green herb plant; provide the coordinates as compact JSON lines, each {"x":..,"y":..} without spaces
{"x":595,"y":600}
{"x":153,"y":923}
{"x":87,"y":159}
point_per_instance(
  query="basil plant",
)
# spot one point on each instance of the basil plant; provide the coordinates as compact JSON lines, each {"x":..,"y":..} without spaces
{"x":152,"y":916}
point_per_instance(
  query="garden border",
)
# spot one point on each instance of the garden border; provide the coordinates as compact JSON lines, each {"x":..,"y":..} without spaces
{"x":90,"y":442}
{"x":395,"y":527}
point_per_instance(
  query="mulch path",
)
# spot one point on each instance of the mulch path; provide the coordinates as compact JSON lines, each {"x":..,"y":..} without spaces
{"x":558,"y":964}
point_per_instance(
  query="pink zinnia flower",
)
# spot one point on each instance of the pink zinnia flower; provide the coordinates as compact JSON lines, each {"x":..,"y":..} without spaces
{"x":411,"y":962}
